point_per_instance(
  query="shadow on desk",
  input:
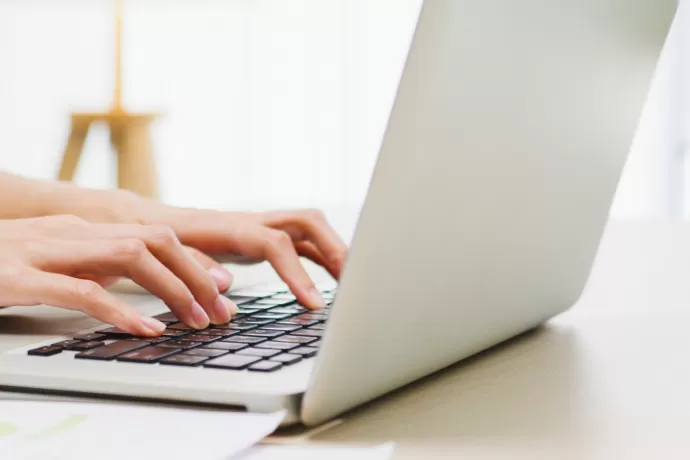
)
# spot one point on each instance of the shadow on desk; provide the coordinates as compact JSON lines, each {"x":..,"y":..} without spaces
{"x":525,"y":390}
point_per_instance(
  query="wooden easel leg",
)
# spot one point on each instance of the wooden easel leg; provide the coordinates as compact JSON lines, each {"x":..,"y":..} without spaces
{"x":75,"y":145}
{"x":136,"y":169}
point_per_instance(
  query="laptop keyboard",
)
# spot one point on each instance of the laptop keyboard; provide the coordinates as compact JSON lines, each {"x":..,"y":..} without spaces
{"x":270,"y":331}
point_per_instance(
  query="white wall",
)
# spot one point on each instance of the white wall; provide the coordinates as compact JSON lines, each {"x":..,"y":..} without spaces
{"x":267,"y":103}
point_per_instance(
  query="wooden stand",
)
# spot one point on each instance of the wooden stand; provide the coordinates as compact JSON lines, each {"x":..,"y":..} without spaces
{"x":130,"y":136}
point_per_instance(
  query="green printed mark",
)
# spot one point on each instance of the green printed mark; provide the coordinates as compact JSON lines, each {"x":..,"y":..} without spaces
{"x":62,"y":427}
{"x":7,"y":429}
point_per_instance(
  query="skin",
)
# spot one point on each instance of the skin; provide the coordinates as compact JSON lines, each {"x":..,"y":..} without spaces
{"x":62,"y":245}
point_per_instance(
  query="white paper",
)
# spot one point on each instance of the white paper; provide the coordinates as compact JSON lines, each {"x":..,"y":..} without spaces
{"x":317,"y":452}
{"x":31,"y":430}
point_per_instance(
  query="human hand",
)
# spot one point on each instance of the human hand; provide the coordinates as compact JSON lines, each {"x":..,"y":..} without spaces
{"x":278,"y":237}
{"x":50,"y":260}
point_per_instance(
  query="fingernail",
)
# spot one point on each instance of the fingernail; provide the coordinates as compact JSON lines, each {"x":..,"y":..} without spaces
{"x":230,"y":305}
{"x":222,"y":278}
{"x":152,"y":325}
{"x":199,"y":318}
{"x":315,"y":298}
{"x":221,"y":310}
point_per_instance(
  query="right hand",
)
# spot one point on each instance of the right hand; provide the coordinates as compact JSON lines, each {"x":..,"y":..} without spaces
{"x":57,"y":260}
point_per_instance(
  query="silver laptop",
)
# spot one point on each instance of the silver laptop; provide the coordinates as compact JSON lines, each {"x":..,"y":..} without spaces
{"x":511,"y":125}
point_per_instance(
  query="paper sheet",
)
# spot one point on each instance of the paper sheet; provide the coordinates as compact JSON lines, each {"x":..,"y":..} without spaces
{"x":317,"y":452}
{"x":31,"y":430}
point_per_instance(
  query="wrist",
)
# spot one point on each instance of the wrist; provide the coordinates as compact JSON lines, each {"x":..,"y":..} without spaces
{"x":94,"y":205}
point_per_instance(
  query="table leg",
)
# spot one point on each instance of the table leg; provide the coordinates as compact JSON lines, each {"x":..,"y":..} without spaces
{"x":75,"y":145}
{"x":136,"y":168}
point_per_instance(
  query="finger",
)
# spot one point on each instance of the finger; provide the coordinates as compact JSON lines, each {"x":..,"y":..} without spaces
{"x":313,"y":226}
{"x":278,"y":249}
{"x":308,"y":250}
{"x":123,"y":257}
{"x":165,"y":246}
{"x":104,"y":281}
{"x":222,"y":277}
{"x":89,"y":297}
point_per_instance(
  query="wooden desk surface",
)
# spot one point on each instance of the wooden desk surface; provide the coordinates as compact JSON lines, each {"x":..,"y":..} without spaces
{"x":610,"y":379}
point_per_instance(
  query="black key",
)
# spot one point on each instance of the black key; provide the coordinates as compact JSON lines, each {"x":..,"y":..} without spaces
{"x":265,"y":366}
{"x":179,"y":327}
{"x":244,"y":339}
{"x":115,"y":332}
{"x":173,"y":333}
{"x":273,"y":302}
{"x":151,"y":340}
{"x":287,"y":359}
{"x":183,"y":359}
{"x":240,"y":299}
{"x":198,"y":338}
{"x":167,"y":318}
{"x":236,"y":326}
{"x":216,"y":333}
{"x":283,"y":346}
{"x":281,"y":327}
{"x":308,"y":333}
{"x":244,"y":310}
{"x":305,"y":352}
{"x":284,"y":297}
{"x":111,"y":351}
{"x":179,"y":345}
{"x":208,"y":352}
{"x":89,"y":337}
{"x":45,"y":351}
{"x":235,"y":362}
{"x":314,"y":316}
{"x":296,"y":320}
{"x":264,"y":333}
{"x":254,"y":321}
{"x":262,"y":352}
{"x":253,"y":292}
{"x":271,"y":316}
{"x":147,"y":355}
{"x":296,"y":339}
{"x":65,"y":344}
{"x":228,"y":346}
{"x":285,"y":310}
{"x":83,"y":346}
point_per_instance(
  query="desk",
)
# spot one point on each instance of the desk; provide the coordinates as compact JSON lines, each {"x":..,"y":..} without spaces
{"x":610,"y":379}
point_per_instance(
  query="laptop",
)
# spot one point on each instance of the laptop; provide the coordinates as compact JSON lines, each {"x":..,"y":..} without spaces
{"x":501,"y":156}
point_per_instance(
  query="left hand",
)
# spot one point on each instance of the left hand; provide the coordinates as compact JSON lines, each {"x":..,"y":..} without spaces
{"x":278,"y":237}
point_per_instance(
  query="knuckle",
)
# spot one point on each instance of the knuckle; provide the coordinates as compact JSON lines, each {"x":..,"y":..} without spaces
{"x":337,"y":258}
{"x":88,"y":290}
{"x":315,"y":214}
{"x":130,"y":249}
{"x":162,"y":235}
{"x":10,"y":273}
{"x":277,"y":241}
{"x":62,"y":221}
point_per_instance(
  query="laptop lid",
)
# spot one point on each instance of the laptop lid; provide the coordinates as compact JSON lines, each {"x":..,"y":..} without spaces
{"x":502,"y":154}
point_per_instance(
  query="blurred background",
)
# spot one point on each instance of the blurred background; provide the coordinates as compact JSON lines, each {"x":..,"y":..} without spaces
{"x":265,"y":103}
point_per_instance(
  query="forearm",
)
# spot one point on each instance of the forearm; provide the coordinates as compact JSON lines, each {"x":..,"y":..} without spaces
{"x":26,"y":198}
